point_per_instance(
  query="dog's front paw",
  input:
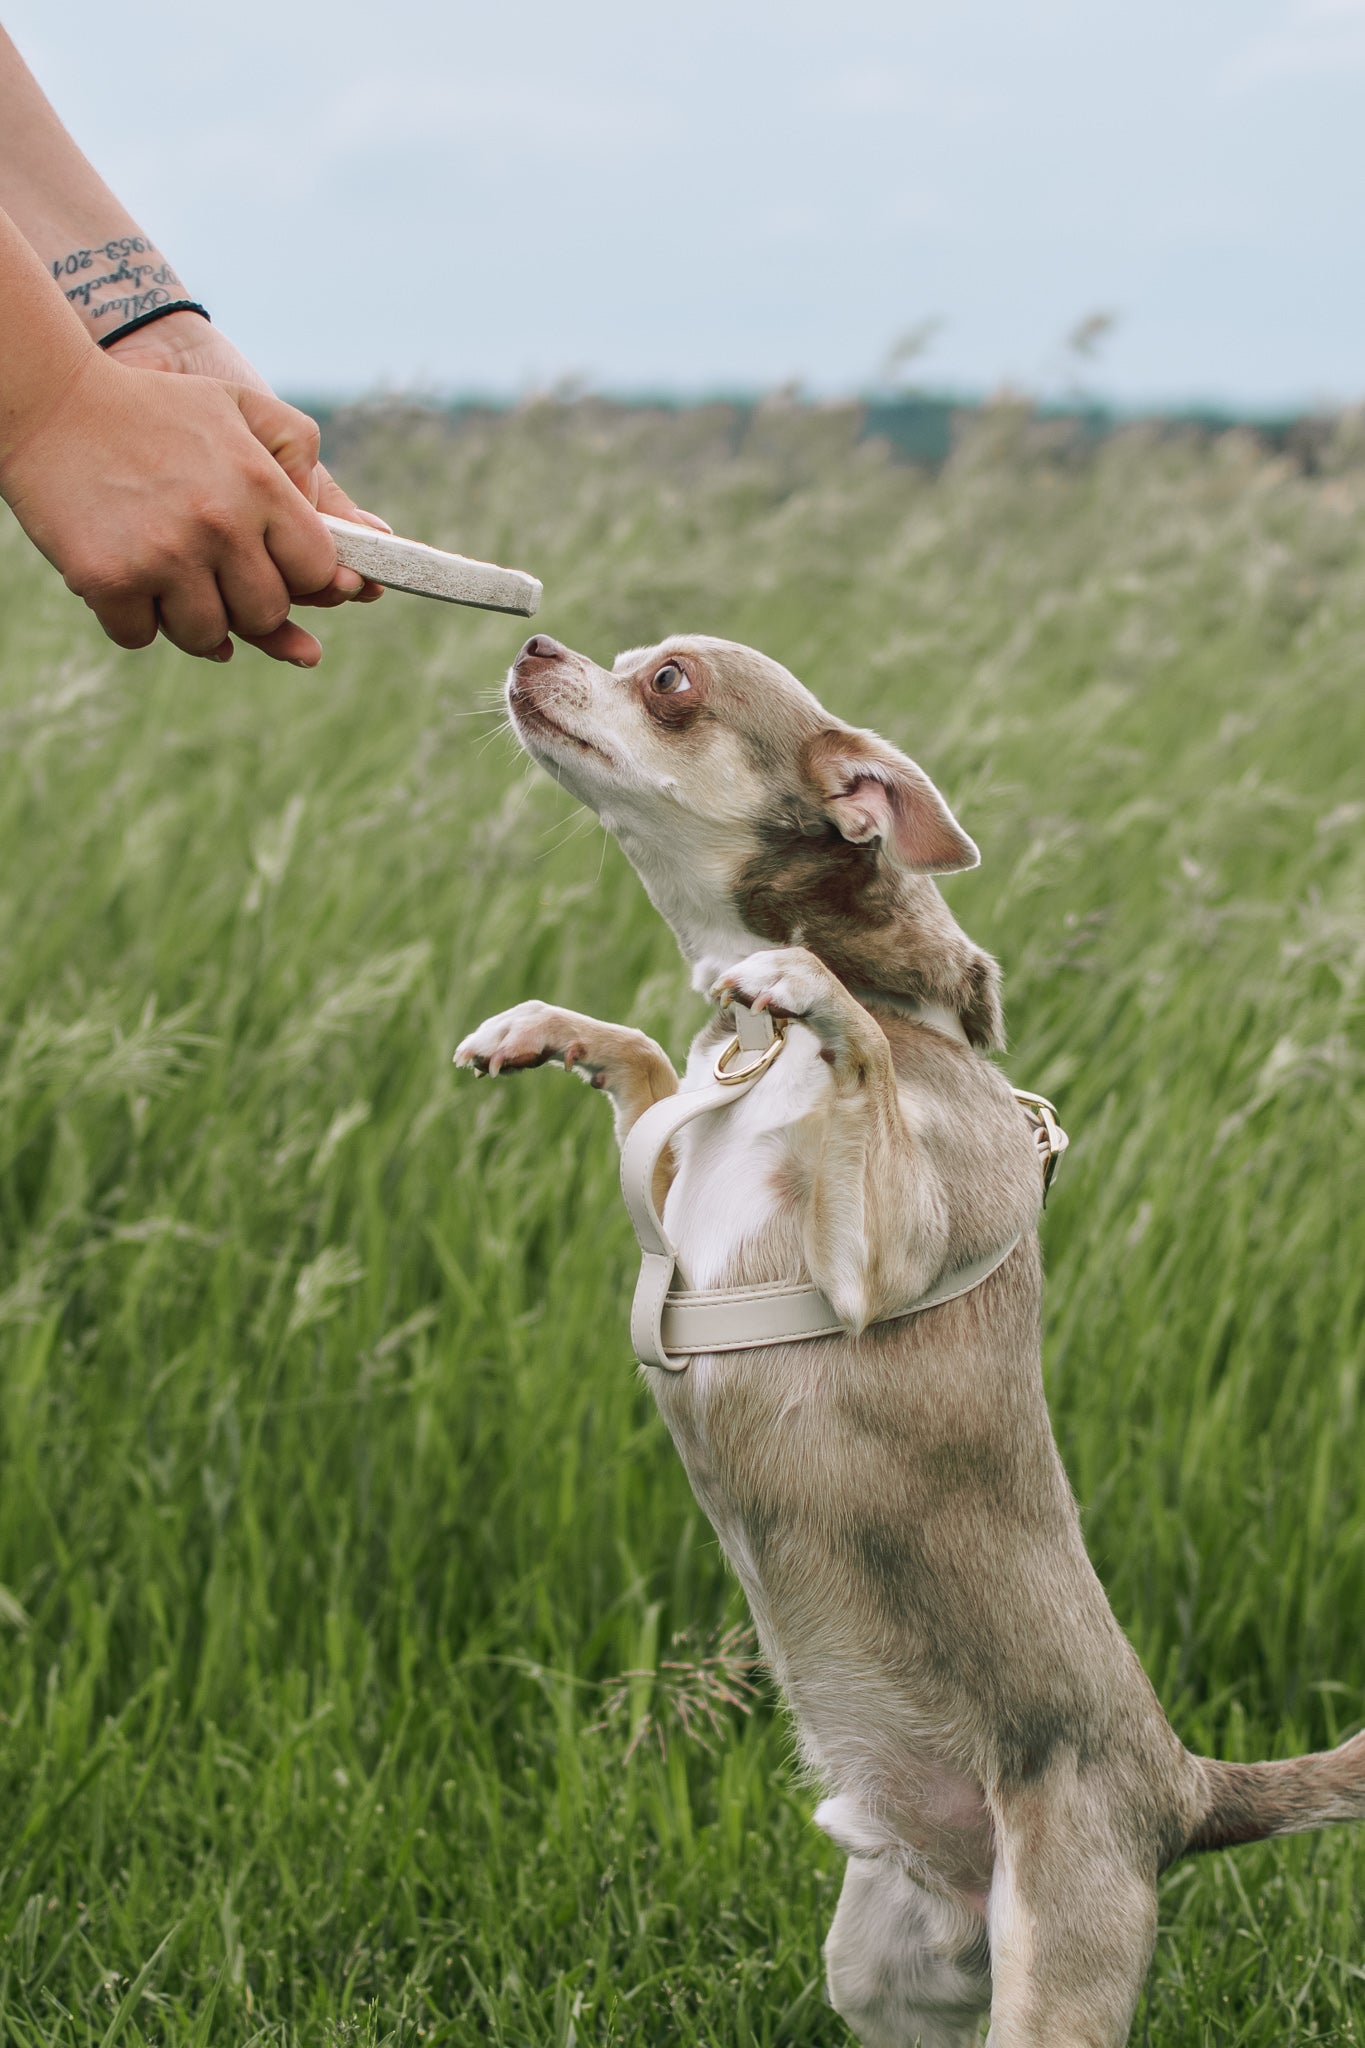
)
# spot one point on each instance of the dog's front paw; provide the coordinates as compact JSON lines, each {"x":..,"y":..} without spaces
{"x":527,"y":1036}
{"x":792,"y":982}
{"x":788,"y":980}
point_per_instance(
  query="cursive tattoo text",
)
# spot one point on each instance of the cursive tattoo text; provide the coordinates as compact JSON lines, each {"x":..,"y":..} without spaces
{"x":133,"y":274}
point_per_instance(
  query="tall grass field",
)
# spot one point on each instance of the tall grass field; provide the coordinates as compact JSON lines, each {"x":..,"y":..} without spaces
{"x":367,"y":1674}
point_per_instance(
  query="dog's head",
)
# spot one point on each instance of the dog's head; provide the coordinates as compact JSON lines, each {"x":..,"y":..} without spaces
{"x":754,"y":816}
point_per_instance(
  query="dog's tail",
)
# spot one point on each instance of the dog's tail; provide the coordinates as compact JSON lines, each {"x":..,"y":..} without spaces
{"x":1248,"y":1802}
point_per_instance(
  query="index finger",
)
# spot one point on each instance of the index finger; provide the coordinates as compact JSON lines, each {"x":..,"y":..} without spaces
{"x":332,"y":498}
{"x":299,"y":544}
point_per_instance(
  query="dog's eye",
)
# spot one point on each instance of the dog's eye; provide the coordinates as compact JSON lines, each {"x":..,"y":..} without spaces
{"x":669,"y":680}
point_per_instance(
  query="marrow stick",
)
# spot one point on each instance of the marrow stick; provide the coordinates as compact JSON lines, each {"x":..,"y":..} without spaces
{"x":431,"y":572}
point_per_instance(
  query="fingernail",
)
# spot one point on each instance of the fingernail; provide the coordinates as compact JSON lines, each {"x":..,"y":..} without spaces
{"x":349,"y":580}
{"x":295,"y":662}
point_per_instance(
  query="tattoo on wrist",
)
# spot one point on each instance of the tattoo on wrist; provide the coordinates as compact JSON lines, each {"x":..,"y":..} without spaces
{"x":137,"y":287}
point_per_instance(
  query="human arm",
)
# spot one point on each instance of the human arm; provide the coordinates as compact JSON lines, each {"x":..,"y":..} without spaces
{"x":170,"y":502}
{"x":101,"y":479}
{"x":189,"y":346}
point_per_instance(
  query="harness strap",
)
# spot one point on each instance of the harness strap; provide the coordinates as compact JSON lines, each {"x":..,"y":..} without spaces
{"x":783,"y":1312}
{"x":640,"y":1156}
{"x":670,"y":1323}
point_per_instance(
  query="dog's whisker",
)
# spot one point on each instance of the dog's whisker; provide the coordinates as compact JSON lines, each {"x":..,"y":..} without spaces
{"x":573,"y":830}
{"x":502,"y":731}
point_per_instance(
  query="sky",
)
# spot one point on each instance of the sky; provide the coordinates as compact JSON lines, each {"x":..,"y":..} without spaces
{"x":424,"y":194}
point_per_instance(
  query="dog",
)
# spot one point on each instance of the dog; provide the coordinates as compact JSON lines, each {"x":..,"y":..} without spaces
{"x":997,"y":1766}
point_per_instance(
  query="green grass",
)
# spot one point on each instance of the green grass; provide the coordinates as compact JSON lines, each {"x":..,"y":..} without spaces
{"x":330,"y":1510}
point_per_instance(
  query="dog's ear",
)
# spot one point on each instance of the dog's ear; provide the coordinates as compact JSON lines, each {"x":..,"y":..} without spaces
{"x":871,"y":792}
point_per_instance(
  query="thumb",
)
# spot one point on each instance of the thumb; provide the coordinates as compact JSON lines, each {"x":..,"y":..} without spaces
{"x":331,"y":498}
{"x":289,"y":434}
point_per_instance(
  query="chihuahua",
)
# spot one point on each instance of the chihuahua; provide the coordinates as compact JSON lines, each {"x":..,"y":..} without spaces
{"x":997,"y":1766}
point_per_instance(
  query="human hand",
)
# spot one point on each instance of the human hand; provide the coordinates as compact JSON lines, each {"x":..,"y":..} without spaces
{"x":180,"y":503}
{"x":187,"y":344}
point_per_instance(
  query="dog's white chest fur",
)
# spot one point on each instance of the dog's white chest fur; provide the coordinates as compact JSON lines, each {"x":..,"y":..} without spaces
{"x":725,"y":1194}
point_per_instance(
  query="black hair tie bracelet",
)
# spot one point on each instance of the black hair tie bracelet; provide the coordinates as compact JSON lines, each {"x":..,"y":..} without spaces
{"x":157,"y":313}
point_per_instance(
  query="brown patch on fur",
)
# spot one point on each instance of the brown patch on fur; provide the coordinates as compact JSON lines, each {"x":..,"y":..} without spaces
{"x":790,"y":1182}
{"x":880,"y":930}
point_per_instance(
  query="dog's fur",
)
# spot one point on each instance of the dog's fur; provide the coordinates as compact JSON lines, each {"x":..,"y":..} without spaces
{"x":999,"y":1770}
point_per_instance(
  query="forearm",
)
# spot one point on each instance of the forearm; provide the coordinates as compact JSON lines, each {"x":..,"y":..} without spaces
{"x":107,"y":268}
{"x":44,"y":345}
{"x":175,"y":502}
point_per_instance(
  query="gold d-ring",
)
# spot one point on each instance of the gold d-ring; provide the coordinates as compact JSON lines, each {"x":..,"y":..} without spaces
{"x":760,"y":1065}
{"x":1042,"y":1115}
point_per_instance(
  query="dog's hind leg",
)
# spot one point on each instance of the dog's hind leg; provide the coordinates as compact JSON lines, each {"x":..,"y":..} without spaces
{"x":906,"y":1968}
{"x":630,"y":1069}
{"x":1072,"y":1926}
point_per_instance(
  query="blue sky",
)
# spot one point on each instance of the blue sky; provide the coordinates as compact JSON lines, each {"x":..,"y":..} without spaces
{"x":446,"y":196}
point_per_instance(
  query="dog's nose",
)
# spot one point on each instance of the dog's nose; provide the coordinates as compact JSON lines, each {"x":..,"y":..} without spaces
{"x":540,"y":647}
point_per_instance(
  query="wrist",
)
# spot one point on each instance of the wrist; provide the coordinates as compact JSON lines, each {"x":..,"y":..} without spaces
{"x":175,"y":341}
{"x":72,"y":378}
{"x":115,"y":281}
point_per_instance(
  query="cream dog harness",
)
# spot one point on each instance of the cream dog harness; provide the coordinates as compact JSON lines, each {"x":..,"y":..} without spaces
{"x":671,"y":1322}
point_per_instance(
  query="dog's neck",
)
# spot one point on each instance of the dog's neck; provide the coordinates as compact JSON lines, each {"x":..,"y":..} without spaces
{"x":896,"y":948}
{"x":687,"y":884}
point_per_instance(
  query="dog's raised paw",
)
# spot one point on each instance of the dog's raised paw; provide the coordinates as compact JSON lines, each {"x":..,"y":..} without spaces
{"x":528,"y":1035}
{"x":787,"y":980}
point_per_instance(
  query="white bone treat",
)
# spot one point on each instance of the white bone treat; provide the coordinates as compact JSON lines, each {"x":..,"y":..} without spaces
{"x":430,"y":572}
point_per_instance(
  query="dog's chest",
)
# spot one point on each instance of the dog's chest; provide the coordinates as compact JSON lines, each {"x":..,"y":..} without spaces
{"x":730,"y":1209}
